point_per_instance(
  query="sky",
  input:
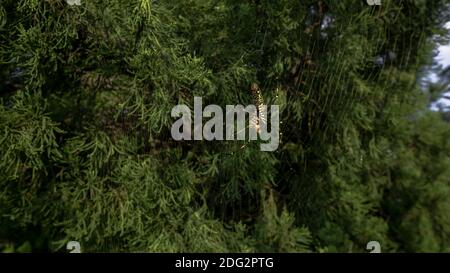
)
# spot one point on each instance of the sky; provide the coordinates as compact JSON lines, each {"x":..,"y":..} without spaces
{"x":444,"y":52}
{"x":442,"y":58}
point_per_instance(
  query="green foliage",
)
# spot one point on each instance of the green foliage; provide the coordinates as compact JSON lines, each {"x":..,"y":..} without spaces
{"x":86,"y":94}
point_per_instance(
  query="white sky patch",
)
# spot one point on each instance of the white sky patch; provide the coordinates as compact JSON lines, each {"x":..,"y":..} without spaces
{"x":444,"y":52}
{"x":444,"y":55}
{"x":441,"y":104}
{"x":443,"y":58}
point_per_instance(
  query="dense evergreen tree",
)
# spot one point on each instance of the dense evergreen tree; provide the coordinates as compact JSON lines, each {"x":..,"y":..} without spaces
{"x":87,"y":91}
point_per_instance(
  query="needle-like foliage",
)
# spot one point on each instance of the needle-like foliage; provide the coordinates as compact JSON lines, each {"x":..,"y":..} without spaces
{"x":86,"y":93}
